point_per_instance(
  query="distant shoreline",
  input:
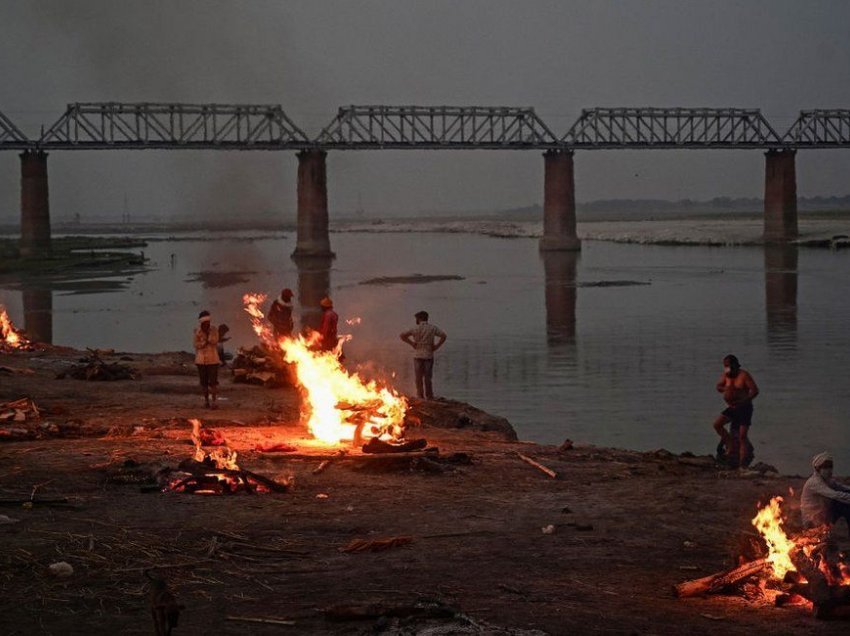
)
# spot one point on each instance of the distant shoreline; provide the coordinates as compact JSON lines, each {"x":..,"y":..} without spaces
{"x":593,"y":213}
{"x":818,"y":228}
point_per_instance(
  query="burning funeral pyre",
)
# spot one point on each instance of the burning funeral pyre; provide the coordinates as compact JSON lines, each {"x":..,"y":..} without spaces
{"x":339,"y":406}
{"x":806,"y":569}
{"x":10,"y":338}
{"x":215,"y":472}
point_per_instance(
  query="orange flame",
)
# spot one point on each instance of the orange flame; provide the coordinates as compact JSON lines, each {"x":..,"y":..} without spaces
{"x":8,"y":334}
{"x":221,"y":458}
{"x":768,"y":522}
{"x":339,"y":405}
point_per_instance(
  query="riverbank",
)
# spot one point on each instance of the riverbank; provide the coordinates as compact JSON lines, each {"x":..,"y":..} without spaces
{"x":621,"y":527}
{"x":816,"y":230}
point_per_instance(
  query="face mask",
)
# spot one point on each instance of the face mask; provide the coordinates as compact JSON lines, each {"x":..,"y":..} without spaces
{"x":826,"y":473}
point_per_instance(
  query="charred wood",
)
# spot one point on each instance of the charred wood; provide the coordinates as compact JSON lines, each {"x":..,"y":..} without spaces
{"x":716,"y":582}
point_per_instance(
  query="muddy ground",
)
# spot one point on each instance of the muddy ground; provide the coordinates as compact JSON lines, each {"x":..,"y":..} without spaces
{"x":626,"y":526}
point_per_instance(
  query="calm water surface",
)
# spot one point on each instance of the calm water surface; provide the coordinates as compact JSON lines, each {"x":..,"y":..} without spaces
{"x":619,"y":345}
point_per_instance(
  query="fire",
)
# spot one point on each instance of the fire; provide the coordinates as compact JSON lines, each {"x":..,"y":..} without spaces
{"x":339,"y":405}
{"x":9,"y":336}
{"x":221,"y":458}
{"x":768,"y":522}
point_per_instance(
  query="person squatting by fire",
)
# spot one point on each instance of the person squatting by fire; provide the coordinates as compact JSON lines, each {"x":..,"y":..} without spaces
{"x":824,"y":500}
{"x":206,"y":358}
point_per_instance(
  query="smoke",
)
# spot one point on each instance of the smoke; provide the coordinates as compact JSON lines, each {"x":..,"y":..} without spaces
{"x":159,"y":51}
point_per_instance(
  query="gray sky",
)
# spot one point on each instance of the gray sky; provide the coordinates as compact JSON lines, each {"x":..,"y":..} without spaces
{"x":313,"y":56}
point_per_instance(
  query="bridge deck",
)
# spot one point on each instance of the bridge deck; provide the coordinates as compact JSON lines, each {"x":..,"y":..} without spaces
{"x":173,"y":126}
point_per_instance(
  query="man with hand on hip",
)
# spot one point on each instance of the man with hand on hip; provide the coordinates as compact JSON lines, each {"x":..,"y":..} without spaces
{"x":422,"y":338}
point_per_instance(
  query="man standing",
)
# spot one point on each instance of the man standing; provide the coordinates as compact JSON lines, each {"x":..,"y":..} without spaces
{"x":823,"y":499}
{"x":738,"y":389}
{"x":421,"y":338}
{"x":327,"y":330}
{"x":280,"y":315}
{"x":206,"y":358}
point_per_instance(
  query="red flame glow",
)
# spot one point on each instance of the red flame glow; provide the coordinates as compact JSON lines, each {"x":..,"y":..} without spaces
{"x":338,"y":405}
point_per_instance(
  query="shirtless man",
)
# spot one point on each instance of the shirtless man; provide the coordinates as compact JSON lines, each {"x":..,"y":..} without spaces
{"x":738,"y":389}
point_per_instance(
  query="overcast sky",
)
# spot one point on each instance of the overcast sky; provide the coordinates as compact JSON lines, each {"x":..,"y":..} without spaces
{"x":313,"y":56}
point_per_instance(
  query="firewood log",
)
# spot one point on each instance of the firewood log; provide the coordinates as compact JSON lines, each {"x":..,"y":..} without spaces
{"x":817,"y":588}
{"x":716,"y":582}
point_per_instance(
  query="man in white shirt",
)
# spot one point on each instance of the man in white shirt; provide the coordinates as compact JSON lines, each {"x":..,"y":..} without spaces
{"x":422,"y":338}
{"x":823,"y":499}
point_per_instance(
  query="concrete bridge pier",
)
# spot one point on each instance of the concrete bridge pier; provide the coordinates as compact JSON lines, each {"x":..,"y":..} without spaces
{"x":780,"y":196}
{"x":35,"y":207}
{"x":312,"y":233}
{"x":314,"y":283}
{"x":559,"y":203}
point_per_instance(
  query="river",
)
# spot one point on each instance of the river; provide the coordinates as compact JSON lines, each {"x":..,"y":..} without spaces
{"x":620,"y":345}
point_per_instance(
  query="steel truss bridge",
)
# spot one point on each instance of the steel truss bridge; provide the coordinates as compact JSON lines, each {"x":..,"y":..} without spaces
{"x":10,"y":136}
{"x":136,"y":126}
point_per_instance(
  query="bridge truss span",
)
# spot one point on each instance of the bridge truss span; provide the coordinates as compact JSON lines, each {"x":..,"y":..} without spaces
{"x":11,"y":137}
{"x":436,"y":127}
{"x":173,"y":126}
{"x":820,"y":129}
{"x":604,"y":128}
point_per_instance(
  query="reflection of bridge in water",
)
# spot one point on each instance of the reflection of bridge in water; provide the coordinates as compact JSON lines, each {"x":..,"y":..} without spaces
{"x":38,"y":313}
{"x":119,"y":126}
{"x":561,"y":278}
{"x":780,"y":286}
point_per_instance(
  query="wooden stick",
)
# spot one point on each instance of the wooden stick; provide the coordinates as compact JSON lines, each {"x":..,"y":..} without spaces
{"x":322,"y":466}
{"x":251,"y":619}
{"x":188,"y":564}
{"x":716,"y":582}
{"x":537,"y":465}
{"x":35,"y":502}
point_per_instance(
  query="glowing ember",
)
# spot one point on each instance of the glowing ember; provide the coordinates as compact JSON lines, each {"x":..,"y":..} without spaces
{"x":339,"y":405}
{"x":9,"y":336}
{"x":768,"y":522}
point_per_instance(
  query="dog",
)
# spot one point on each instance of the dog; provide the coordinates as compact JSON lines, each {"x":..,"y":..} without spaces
{"x":164,"y":607}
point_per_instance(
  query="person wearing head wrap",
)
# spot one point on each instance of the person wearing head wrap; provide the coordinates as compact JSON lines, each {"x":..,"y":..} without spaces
{"x":328,"y":328}
{"x":280,"y":314}
{"x":206,"y":357}
{"x":739,"y":390}
{"x":823,"y":499}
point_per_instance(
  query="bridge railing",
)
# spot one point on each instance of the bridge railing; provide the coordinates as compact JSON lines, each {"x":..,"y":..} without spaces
{"x":671,"y":128}
{"x":823,"y":128}
{"x":173,"y":126}
{"x":436,"y":127}
{"x":11,"y":137}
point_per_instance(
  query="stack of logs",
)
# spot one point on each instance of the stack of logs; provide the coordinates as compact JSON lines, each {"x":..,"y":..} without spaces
{"x":258,"y":366}
{"x":818,"y":578}
{"x":207,"y":478}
